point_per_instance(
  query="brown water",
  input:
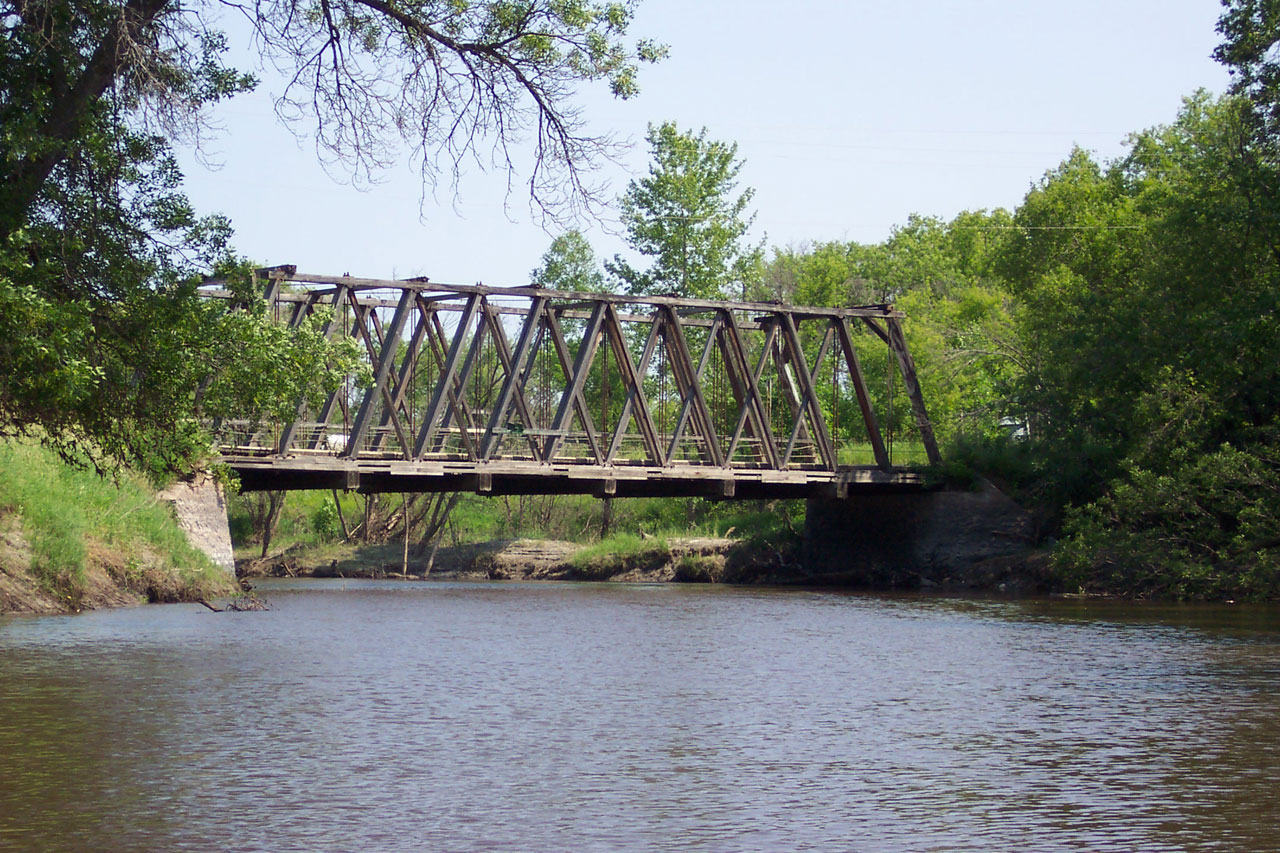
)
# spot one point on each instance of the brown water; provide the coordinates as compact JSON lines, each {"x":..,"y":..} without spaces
{"x":450,"y":716}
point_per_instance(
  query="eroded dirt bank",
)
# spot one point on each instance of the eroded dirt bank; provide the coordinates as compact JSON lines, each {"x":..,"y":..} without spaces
{"x":689,"y":560}
{"x":109,"y":580}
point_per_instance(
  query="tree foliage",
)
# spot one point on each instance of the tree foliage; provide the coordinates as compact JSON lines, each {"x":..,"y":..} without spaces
{"x":569,"y":264}
{"x":1251,"y":33}
{"x":1128,"y":313}
{"x":685,"y":217}
{"x":103,"y":339}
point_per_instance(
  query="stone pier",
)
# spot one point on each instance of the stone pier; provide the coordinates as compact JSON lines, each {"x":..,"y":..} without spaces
{"x":201,"y":507}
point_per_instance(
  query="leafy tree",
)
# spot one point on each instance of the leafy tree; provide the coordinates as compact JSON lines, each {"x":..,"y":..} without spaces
{"x":448,"y":77}
{"x":1149,"y":303}
{"x":569,"y":264}
{"x":1251,"y":31}
{"x":685,"y":217}
{"x":104,"y":337}
{"x":961,"y":329}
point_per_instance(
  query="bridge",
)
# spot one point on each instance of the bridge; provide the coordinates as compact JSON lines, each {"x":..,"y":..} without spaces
{"x":528,"y":390}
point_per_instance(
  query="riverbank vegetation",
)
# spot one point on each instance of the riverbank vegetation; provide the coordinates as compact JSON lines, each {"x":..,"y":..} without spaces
{"x":1108,"y":351}
{"x":318,"y":528}
{"x":71,"y":540}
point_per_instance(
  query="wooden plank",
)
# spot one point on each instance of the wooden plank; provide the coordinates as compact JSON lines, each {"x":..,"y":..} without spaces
{"x":587,"y":299}
{"x":707,"y":305}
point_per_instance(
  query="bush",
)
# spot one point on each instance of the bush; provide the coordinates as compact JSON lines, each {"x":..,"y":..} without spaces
{"x":1208,"y":529}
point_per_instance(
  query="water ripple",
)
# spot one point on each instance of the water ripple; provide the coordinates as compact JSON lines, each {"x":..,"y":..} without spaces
{"x":602,"y":717}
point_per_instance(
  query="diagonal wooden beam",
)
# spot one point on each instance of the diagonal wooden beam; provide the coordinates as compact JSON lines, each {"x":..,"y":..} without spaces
{"x":389,"y":405}
{"x":579,"y":401}
{"x":581,"y":366}
{"x":455,"y":394}
{"x":633,"y":379}
{"x":444,"y":384}
{"x":303,"y":310}
{"x":337,"y":398}
{"x":864,"y":398}
{"x":690,"y":378}
{"x":467,"y":423}
{"x":875,"y":327}
{"x":906,"y":365}
{"x":753,"y":410}
{"x":381,"y":371}
{"x":809,"y":395}
{"x":516,"y":365}
{"x":396,"y":404}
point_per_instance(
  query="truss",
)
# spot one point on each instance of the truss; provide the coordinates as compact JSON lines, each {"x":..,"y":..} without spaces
{"x":545,"y":387}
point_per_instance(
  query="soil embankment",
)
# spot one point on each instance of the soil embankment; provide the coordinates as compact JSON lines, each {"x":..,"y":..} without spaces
{"x":688,"y":560}
{"x":108,"y":578}
{"x":71,"y":540}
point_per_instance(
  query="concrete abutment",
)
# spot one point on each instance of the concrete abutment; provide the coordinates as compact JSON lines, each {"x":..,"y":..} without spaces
{"x":909,"y":539}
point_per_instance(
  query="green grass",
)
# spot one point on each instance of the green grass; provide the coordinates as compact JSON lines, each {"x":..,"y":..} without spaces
{"x":619,"y":553}
{"x":901,"y":452}
{"x":63,"y":509}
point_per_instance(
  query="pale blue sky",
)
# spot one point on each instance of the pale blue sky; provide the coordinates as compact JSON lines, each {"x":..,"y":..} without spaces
{"x":849,"y":117}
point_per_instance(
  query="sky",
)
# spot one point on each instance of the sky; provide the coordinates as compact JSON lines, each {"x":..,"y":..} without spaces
{"x":848,"y":116}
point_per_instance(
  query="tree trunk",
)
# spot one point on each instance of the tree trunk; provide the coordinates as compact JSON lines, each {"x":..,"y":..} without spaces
{"x":276,"y":504}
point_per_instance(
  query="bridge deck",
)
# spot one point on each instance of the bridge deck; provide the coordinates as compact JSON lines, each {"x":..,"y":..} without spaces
{"x":510,"y":477}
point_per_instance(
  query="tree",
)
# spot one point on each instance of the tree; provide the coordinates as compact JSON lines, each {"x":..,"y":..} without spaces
{"x":366,"y":76}
{"x":569,"y":264}
{"x":104,"y":338}
{"x":1251,"y":31}
{"x":685,"y":217}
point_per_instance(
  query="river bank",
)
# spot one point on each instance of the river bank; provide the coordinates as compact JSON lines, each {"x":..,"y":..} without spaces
{"x":652,"y":560}
{"x":71,"y":540}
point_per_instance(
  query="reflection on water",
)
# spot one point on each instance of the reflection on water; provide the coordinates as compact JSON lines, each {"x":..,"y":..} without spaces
{"x":558,"y":716}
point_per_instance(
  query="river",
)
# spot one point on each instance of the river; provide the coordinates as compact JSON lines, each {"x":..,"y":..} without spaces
{"x":505,"y":716}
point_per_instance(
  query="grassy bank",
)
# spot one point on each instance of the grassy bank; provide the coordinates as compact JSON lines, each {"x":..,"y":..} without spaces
{"x":70,"y":540}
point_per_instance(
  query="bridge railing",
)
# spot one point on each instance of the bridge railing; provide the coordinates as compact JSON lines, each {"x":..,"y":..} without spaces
{"x":530,"y":376}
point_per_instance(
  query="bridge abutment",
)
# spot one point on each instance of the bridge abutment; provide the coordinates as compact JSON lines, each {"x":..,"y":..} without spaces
{"x":907,"y":539}
{"x":201,"y":507}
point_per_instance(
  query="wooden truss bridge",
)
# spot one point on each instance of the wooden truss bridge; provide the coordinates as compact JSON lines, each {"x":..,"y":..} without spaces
{"x":527,"y":390}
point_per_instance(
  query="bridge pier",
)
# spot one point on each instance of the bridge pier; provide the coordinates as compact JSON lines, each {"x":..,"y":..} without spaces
{"x":909,"y":539}
{"x":201,"y":507}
